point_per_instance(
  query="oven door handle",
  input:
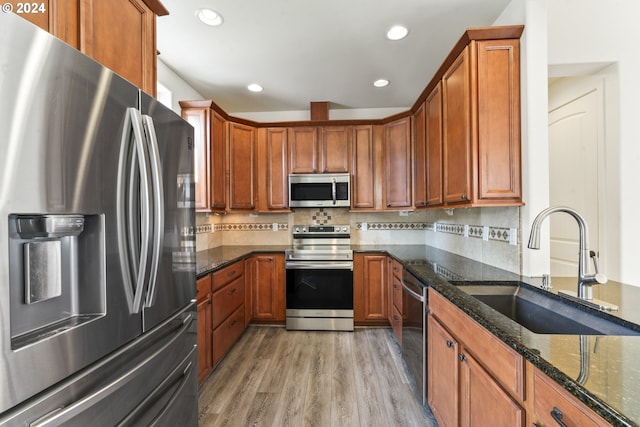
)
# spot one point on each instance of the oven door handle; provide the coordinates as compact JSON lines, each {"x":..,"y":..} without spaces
{"x":313,"y":265}
{"x":412,"y":293}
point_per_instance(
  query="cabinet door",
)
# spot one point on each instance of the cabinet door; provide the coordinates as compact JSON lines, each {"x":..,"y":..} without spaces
{"x":241,"y":167}
{"x":335,"y":149}
{"x":58,"y":17}
{"x":397,"y":159}
{"x":362,"y":178}
{"x":456,"y":94}
{"x":199,"y":119}
{"x":498,"y":120}
{"x":442,"y":370}
{"x":483,"y":401}
{"x":303,"y":150}
{"x":370,"y":304}
{"x":120,"y":34}
{"x":266,"y":278}
{"x":205,"y":355}
{"x":433,"y":133}
{"x":419,"y":158}
{"x":218,"y":147}
{"x":275,"y":154}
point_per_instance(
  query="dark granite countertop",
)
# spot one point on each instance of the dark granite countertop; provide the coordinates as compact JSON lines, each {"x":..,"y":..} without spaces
{"x":612,"y":388}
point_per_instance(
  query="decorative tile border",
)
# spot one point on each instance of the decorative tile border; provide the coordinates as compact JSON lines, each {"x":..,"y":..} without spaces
{"x":498,"y":234}
{"x":395,"y":226}
{"x":210,"y":228}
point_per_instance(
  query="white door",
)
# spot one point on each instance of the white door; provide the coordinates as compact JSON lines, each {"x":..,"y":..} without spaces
{"x":575,"y":130}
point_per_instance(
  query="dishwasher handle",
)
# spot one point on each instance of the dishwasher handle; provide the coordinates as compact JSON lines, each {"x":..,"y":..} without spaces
{"x":412,"y":293}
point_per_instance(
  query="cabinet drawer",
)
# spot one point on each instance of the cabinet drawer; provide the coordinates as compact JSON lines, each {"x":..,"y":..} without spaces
{"x":203,"y":286}
{"x":227,"y":274}
{"x":397,"y":293}
{"x":225,"y":335}
{"x":503,"y":363}
{"x":549,"y":397}
{"x":396,"y":324}
{"x":227,"y":299}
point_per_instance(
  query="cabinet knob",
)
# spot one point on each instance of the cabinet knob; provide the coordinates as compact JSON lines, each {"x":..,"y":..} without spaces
{"x":449,"y":343}
{"x":556,"y":414}
{"x":388,"y":205}
{"x":463,"y":197}
{"x":462,"y":357}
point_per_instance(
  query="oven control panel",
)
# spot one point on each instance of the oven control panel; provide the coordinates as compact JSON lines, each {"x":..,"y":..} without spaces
{"x":322,"y":229}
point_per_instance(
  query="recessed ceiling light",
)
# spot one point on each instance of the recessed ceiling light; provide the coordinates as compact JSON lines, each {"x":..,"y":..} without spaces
{"x":254,"y":87}
{"x":381,"y":83}
{"x":209,"y":17}
{"x":397,"y":32}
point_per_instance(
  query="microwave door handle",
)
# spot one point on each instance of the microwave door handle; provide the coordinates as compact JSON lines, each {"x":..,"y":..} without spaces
{"x":333,"y":190}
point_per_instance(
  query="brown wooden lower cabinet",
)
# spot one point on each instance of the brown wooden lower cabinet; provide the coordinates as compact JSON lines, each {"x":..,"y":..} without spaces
{"x":205,"y":332}
{"x":370,"y":292}
{"x":227,"y":333}
{"x":265,"y":275}
{"x":552,"y":403}
{"x":473,"y":378}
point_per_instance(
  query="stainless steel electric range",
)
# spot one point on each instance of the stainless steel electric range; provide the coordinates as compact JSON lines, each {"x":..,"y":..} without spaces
{"x":320,"y":278}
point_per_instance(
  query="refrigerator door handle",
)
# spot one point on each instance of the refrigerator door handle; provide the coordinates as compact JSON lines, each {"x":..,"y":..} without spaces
{"x":133,"y":255}
{"x":158,"y":207}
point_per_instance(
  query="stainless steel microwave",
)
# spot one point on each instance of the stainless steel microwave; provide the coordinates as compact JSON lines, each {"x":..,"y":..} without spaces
{"x":319,"y":190}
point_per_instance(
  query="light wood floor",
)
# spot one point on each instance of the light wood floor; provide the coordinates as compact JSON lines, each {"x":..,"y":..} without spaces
{"x":275,"y":377}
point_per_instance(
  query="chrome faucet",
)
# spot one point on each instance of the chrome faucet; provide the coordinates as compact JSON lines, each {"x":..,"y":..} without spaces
{"x":585,"y":278}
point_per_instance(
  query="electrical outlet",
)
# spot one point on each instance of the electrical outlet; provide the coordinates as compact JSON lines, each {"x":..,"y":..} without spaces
{"x":364,"y":226}
{"x":485,"y":233}
{"x":513,"y":236}
{"x":274,"y":227}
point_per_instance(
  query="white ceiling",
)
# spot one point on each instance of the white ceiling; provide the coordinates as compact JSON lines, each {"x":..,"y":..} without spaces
{"x":314,"y":50}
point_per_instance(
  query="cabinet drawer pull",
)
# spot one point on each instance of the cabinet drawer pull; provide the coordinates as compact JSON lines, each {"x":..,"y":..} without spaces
{"x":232,"y":291}
{"x":232,"y":324}
{"x":231,"y":273}
{"x":449,"y":343}
{"x":556,"y":414}
{"x":462,"y":357}
{"x":463,"y":197}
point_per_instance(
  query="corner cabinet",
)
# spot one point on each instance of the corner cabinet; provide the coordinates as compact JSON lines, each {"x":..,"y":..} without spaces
{"x":481,"y":125}
{"x":119,"y":34}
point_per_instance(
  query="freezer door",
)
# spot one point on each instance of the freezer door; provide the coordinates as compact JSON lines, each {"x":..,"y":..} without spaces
{"x":172,"y":279}
{"x":62,"y":121}
{"x":150,"y":382}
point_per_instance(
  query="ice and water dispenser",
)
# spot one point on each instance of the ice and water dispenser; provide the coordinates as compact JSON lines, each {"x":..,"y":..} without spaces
{"x":57,"y":273}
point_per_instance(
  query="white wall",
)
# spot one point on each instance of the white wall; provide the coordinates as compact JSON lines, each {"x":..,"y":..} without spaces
{"x":181,"y":91}
{"x":606,"y":31}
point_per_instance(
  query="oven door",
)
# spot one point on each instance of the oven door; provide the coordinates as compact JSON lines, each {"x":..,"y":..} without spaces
{"x":319,"y":295}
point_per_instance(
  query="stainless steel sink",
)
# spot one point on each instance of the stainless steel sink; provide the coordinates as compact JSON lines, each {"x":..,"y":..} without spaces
{"x":543,"y":313}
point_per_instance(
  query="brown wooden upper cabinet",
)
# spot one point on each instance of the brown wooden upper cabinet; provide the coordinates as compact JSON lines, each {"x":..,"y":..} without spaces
{"x":433,"y":135}
{"x":242,"y":167}
{"x":397,"y":164}
{"x":120,"y":34}
{"x":363,"y":178}
{"x":323,"y":149}
{"x":273,"y":178}
{"x":481,"y":125}
{"x":420,"y":179}
{"x":210,"y":148}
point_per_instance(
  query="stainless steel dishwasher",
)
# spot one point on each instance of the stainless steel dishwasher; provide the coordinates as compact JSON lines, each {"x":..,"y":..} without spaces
{"x":414,"y":331}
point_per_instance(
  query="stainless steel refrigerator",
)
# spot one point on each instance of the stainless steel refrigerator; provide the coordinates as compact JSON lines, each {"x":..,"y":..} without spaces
{"x":97,"y":245}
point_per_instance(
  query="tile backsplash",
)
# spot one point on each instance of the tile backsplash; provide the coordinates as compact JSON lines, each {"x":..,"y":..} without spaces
{"x":489,"y":235}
